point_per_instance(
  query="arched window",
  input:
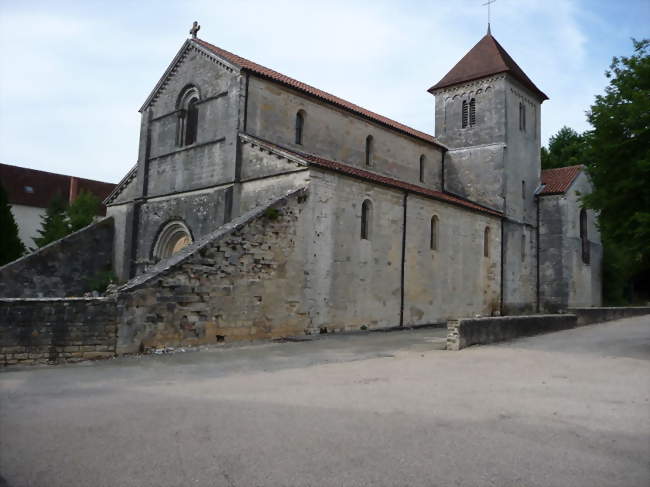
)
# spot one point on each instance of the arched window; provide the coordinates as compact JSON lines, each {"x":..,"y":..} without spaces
{"x":464,"y":114}
{"x":433,"y":244}
{"x":472,"y":112}
{"x":523,"y":247}
{"x":173,"y":237}
{"x":584,"y":237}
{"x":522,"y":117}
{"x":486,"y":242}
{"x":422,"y":167}
{"x":192,"y":121}
{"x":188,"y":116}
{"x":366,"y":219}
{"x":300,"y":123}
{"x":369,"y":150}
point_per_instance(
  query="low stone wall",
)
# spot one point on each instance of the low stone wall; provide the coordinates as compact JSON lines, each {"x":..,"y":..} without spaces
{"x":62,"y":268}
{"x":586,"y":316}
{"x":472,"y":331}
{"x":53,"y":330}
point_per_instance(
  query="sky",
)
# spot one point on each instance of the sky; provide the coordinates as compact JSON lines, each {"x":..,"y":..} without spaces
{"x":73,"y":74}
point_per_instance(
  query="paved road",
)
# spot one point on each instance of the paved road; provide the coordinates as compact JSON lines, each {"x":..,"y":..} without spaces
{"x":384,"y":409}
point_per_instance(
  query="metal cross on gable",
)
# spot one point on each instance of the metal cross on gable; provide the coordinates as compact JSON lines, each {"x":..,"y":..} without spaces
{"x":489,"y":3}
{"x":195,"y":29}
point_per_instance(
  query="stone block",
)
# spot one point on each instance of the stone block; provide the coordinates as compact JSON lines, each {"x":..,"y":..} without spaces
{"x":97,"y":355}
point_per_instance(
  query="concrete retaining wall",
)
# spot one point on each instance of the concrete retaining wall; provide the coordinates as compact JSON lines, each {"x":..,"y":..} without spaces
{"x":63,"y":268}
{"x":472,"y":331}
{"x":587,"y":316}
{"x":55,"y":330}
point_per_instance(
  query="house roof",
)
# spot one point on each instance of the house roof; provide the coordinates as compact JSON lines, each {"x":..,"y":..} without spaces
{"x":558,"y":181}
{"x":486,"y":58}
{"x":377,"y":178}
{"x":270,"y":74}
{"x":31,"y":187}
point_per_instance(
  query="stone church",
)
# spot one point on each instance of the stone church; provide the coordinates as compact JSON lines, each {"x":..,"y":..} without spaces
{"x":261,"y":206}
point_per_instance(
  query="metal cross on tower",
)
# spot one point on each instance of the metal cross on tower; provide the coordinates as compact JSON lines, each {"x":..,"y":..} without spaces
{"x":195,"y":29}
{"x":488,"y":3}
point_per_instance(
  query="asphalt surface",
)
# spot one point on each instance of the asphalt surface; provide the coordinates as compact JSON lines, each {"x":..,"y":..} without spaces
{"x":382,"y":409}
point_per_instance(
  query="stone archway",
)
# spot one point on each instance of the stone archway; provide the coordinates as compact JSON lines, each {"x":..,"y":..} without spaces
{"x":174,"y":237}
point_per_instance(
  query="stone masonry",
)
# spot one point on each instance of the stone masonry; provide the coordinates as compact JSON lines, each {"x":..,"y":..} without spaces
{"x":64,"y":267}
{"x":40,"y":331}
{"x":244,"y":281}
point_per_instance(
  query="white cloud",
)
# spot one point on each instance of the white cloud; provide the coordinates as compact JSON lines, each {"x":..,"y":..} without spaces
{"x":72,"y":76}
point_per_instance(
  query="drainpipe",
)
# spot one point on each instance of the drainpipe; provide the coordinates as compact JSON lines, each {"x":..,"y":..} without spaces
{"x":442,"y":170}
{"x":403,"y":268}
{"x":538,"y":250}
{"x":503,"y":252}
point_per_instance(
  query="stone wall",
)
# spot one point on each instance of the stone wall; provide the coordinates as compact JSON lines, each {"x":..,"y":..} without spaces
{"x":587,"y":316}
{"x":565,"y":280}
{"x":455,"y":279}
{"x":208,"y":161}
{"x":244,"y":281}
{"x":337,"y":134}
{"x":473,"y":331}
{"x":202,"y":212}
{"x":62,"y":268}
{"x":38,"y":331}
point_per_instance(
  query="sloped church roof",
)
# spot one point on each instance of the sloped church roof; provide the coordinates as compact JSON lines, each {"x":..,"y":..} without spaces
{"x":558,"y":180}
{"x":486,"y":58}
{"x":265,"y":72}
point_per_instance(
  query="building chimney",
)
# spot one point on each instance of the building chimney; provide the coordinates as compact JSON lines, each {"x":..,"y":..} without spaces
{"x":74,"y":189}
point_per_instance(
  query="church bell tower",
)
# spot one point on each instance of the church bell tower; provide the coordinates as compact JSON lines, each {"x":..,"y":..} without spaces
{"x":488,"y":115}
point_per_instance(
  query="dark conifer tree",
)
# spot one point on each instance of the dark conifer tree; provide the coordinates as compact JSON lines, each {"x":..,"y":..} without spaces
{"x":10,"y":245}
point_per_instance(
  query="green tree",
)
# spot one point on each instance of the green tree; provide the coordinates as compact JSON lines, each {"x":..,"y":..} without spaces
{"x":620,"y":165}
{"x":54,"y":224}
{"x":83,"y":210}
{"x":566,"y":148}
{"x":10,"y":245}
{"x":60,"y":220}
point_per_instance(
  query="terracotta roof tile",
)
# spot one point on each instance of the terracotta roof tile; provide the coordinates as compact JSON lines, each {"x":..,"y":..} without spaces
{"x":486,"y":58}
{"x":371,"y":176}
{"x":315,"y":92}
{"x":558,"y":181}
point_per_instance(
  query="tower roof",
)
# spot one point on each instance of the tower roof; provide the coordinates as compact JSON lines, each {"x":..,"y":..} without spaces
{"x":486,"y":58}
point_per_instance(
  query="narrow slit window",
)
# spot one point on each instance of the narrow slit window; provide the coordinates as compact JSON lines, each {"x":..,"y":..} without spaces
{"x":523,"y":190}
{"x":523,"y":247}
{"x":472,"y":112}
{"x":422,"y":167}
{"x":366,"y":219}
{"x":369,"y":150}
{"x":584,"y":237}
{"x":192,"y":122}
{"x":433,"y":244}
{"x":187,"y":107}
{"x":300,"y":124}
{"x":522,"y":117}
{"x":486,"y":242}
{"x":464,"y":114}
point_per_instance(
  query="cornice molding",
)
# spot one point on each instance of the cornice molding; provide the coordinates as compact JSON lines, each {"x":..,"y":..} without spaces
{"x":470,"y":86}
{"x":185,"y":50}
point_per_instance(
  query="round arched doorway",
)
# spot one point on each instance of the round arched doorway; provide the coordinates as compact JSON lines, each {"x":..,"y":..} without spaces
{"x":173,"y":237}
